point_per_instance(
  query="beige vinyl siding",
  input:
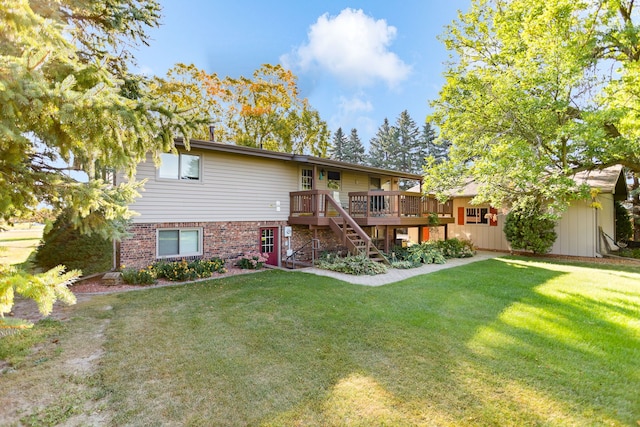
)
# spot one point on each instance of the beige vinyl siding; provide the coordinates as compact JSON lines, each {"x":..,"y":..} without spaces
{"x":576,"y":231}
{"x":233,"y":188}
{"x":483,"y":236}
{"x":606,"y":215}
{"x":350,"y":182}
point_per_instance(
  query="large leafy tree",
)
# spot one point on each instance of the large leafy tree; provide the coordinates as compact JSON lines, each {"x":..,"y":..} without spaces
{"x":535,"y":92}
{"x":68,"y":101}
{"x":265,"y":111}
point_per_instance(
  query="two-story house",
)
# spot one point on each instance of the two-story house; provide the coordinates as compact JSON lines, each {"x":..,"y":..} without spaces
{"x":224,"y":200}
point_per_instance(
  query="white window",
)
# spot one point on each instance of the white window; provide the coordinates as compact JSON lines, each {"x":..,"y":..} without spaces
{"x":179,"y":166}
{"x":477,"y":216}
{"x":179,"y":242}
{"x":306,"y":179}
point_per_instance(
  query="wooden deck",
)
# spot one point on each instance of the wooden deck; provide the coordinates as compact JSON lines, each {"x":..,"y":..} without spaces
{"x":370,"y":208}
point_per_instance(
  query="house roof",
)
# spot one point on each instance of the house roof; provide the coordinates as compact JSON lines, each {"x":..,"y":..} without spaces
{"x":298,"y":158}
{"x":608,"y":180}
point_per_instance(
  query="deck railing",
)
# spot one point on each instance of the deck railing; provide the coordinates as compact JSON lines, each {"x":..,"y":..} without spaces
{"x":367,"y":204}
{"x":395,"y":203}
{"x":309,"y":203}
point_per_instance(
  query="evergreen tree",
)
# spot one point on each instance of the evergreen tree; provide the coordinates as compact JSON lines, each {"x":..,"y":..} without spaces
{"x":382,"y":146}
{"x":354,"y":149}
{"x":430,"y":147}
{"x":69,"y":101}
{"x":338,"y":145}
{"x":407,"y":156}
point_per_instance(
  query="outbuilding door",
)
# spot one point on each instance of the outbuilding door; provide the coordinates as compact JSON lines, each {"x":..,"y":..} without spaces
{"x":269,"y":244}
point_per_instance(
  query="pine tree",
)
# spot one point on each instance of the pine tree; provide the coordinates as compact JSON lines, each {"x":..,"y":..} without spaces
{"x":338,"y":145}
{"x":382,"y":146}
{"x":354,"y":149}
{"x":439,"y":150}
{"x":409,"y":143}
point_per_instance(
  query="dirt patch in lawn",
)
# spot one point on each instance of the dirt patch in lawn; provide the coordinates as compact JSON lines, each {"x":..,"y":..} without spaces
{"x":59,"y":383}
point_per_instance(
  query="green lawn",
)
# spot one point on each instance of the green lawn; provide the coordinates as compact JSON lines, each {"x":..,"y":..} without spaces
{"x":500,"y":342}
{"x":18,"y":243}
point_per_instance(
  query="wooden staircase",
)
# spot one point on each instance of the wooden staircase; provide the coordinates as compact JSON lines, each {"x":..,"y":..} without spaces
{"x":353,"y":237}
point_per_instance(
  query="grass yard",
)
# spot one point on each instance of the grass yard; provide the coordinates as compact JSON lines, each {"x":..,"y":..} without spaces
{"x":502,"y":342}
{"x":17,"y":243}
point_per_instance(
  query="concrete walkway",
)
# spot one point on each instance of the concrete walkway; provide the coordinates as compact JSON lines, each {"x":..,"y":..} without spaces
{"x":396,"y":275}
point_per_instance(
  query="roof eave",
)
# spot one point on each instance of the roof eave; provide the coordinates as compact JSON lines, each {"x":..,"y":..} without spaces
{"x":299,"y":158}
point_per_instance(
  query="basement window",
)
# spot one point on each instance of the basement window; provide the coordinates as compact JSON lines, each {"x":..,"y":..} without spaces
{"x":179,"y":242}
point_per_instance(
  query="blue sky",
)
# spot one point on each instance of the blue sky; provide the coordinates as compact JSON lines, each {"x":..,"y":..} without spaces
{"x":357,"y":62}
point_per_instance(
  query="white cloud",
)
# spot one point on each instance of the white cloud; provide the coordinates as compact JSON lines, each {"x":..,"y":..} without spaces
{"x":353,"y":105}
{"x":353,"y":47}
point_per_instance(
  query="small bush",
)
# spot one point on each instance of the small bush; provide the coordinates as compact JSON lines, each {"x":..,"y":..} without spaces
{"x":180,"y":271}
{"x":530,"y":230}
{"x":456,"y":248}
{"x":630,"y":253}
{"x":206,"y":268}
{"x":351,"y":264}
{"x":143,"y":276}
{"x":402,"y":265}
{"x":417,"y":255}
{"x":251,"y":261}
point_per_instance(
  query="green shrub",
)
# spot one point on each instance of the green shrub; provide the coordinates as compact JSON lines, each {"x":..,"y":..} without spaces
{"x":624,"y":228}
{"x":417,"y":255}
{"x":206,"y":268}
{"x":251,"y":261}
{"x":180,"y":271}
{"x":456,"y":248}
{"x":402,"y":265}
{"x":177,"y":271}
{"x":630,"y":253}
{"x":351,"y":264}
{"x":530,"y":230}
{"x":426,"y":253}
{"x":143,"y":276}
{"x":64,"y":245}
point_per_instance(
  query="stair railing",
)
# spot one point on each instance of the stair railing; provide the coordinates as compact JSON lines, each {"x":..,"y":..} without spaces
{"x":315,"y":245}
{"x":347,"y":219}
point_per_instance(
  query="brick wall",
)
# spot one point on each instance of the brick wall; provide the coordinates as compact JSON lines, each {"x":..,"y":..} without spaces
{"x":329,"y":241}
{"x":226,"y":240}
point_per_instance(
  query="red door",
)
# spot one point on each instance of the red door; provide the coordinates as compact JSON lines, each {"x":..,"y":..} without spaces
{"x":269,"y":244}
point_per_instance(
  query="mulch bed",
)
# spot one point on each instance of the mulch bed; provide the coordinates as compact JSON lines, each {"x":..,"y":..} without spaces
{"x":83,"y":289}
{"x":96,"y":285}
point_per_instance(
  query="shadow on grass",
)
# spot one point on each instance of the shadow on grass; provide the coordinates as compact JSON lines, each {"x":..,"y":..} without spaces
{"x":494,"y":342}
